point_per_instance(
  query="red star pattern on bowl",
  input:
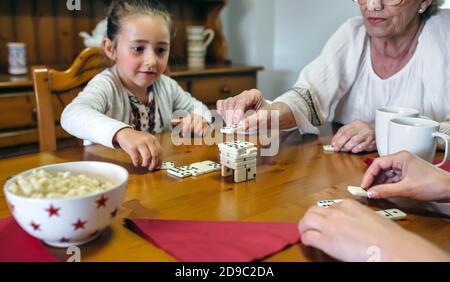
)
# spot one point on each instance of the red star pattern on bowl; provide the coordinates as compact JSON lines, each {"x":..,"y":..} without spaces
{"x":52,"y":211}
{"x":80,"y":224}
{"x":101,"y":202}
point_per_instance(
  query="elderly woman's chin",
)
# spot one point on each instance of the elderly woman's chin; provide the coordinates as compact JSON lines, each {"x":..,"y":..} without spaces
{"x":379,"y":30}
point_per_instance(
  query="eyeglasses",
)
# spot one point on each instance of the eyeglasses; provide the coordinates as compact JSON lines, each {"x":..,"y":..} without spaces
{"x":383,"y":2}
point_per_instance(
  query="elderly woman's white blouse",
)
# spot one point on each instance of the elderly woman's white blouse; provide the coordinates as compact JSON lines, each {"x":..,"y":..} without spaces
{"x":344,"y":86}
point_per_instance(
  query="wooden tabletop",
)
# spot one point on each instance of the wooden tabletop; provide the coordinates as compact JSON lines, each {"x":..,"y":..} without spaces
{"x":286,"y":185}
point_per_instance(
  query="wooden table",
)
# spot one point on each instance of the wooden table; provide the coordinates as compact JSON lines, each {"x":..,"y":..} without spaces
{"x":285,"y":187}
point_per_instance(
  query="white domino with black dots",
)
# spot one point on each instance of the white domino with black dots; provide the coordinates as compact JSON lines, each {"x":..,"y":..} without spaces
{"x":193,"y":169}
{"x":328,"y":203}
{"x":392,"y":214}
{"x":236,"y":128}
{"x":357,"y":191}
{"x":328,"y":148}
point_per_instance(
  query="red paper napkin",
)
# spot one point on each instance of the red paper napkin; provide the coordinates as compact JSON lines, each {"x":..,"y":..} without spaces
{"x":446,"y":166}
{"x":18,"y":246}
{"x":368,"y":161}
{"x":207,"y":241}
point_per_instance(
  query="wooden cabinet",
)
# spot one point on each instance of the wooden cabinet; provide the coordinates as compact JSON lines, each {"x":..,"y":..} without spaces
{"x":17,"y":109}
{"x":217,"y":83}
{"x":50,"y":32}
{"x":18,"y":118}
{"x":211,"y":89}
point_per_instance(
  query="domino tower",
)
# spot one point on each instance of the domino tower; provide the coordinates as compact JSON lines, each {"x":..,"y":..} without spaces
{"x":238,"y":158}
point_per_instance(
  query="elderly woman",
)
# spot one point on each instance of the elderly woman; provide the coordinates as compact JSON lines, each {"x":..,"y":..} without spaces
{"x":396,"y":54}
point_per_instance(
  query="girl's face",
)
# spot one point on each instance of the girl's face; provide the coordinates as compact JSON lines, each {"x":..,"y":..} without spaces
{"x":141,"y":50}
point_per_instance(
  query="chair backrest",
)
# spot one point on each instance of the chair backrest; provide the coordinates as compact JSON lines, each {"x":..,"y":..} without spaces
{"x":55,"y":89}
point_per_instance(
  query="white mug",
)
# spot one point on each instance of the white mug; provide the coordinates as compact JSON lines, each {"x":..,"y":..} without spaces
{"x":418,"y":136}
{"x":198,"y":35}
{"x":198,"y":38}
{"x":382,"y":118}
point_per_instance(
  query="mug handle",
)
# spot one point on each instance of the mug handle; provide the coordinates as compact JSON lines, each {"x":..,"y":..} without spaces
{"x":446,"y":139}
{"x":209,"y":34}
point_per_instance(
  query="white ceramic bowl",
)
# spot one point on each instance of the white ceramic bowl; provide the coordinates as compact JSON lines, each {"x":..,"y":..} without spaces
{"x":73,"y":221}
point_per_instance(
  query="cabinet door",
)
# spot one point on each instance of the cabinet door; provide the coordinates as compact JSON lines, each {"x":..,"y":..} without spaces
{"x":17,"y":110}
{"x":210,"y":89}
{"x":18,"y":118}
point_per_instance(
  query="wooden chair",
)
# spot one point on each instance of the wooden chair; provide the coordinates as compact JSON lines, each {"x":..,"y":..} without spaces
{"x":55,"y":89}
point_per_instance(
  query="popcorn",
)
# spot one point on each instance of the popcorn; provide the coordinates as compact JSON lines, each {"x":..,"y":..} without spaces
{"x":42,"y":184}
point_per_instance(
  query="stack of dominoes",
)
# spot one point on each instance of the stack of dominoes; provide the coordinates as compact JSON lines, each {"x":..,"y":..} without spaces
{"x":238,"y":158}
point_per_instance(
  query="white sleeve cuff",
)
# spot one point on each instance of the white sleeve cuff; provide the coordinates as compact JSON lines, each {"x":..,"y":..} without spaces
{"x":300,"y":111}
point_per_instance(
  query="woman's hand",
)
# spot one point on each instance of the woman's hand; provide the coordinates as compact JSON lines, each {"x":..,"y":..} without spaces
{"x":192,"y":123}
{"x":234,"y":108}
{"x":350,"y":231}
{"x":406,"y":175}
{"x":143,"y":148}
{"x":355,"y":137}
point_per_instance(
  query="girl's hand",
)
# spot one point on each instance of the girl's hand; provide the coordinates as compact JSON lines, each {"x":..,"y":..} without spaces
{"x":143,"y":148}
{"x":355,"y":137}
{"x":192,"y":123}
{"x":350,"y":231}
{"x":406,"y":175}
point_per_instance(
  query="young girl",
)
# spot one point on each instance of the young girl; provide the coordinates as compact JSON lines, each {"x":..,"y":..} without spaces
{"x":125,"y":104}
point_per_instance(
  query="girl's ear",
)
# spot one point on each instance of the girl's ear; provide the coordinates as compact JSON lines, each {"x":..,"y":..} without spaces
{"x":108,"y":48}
